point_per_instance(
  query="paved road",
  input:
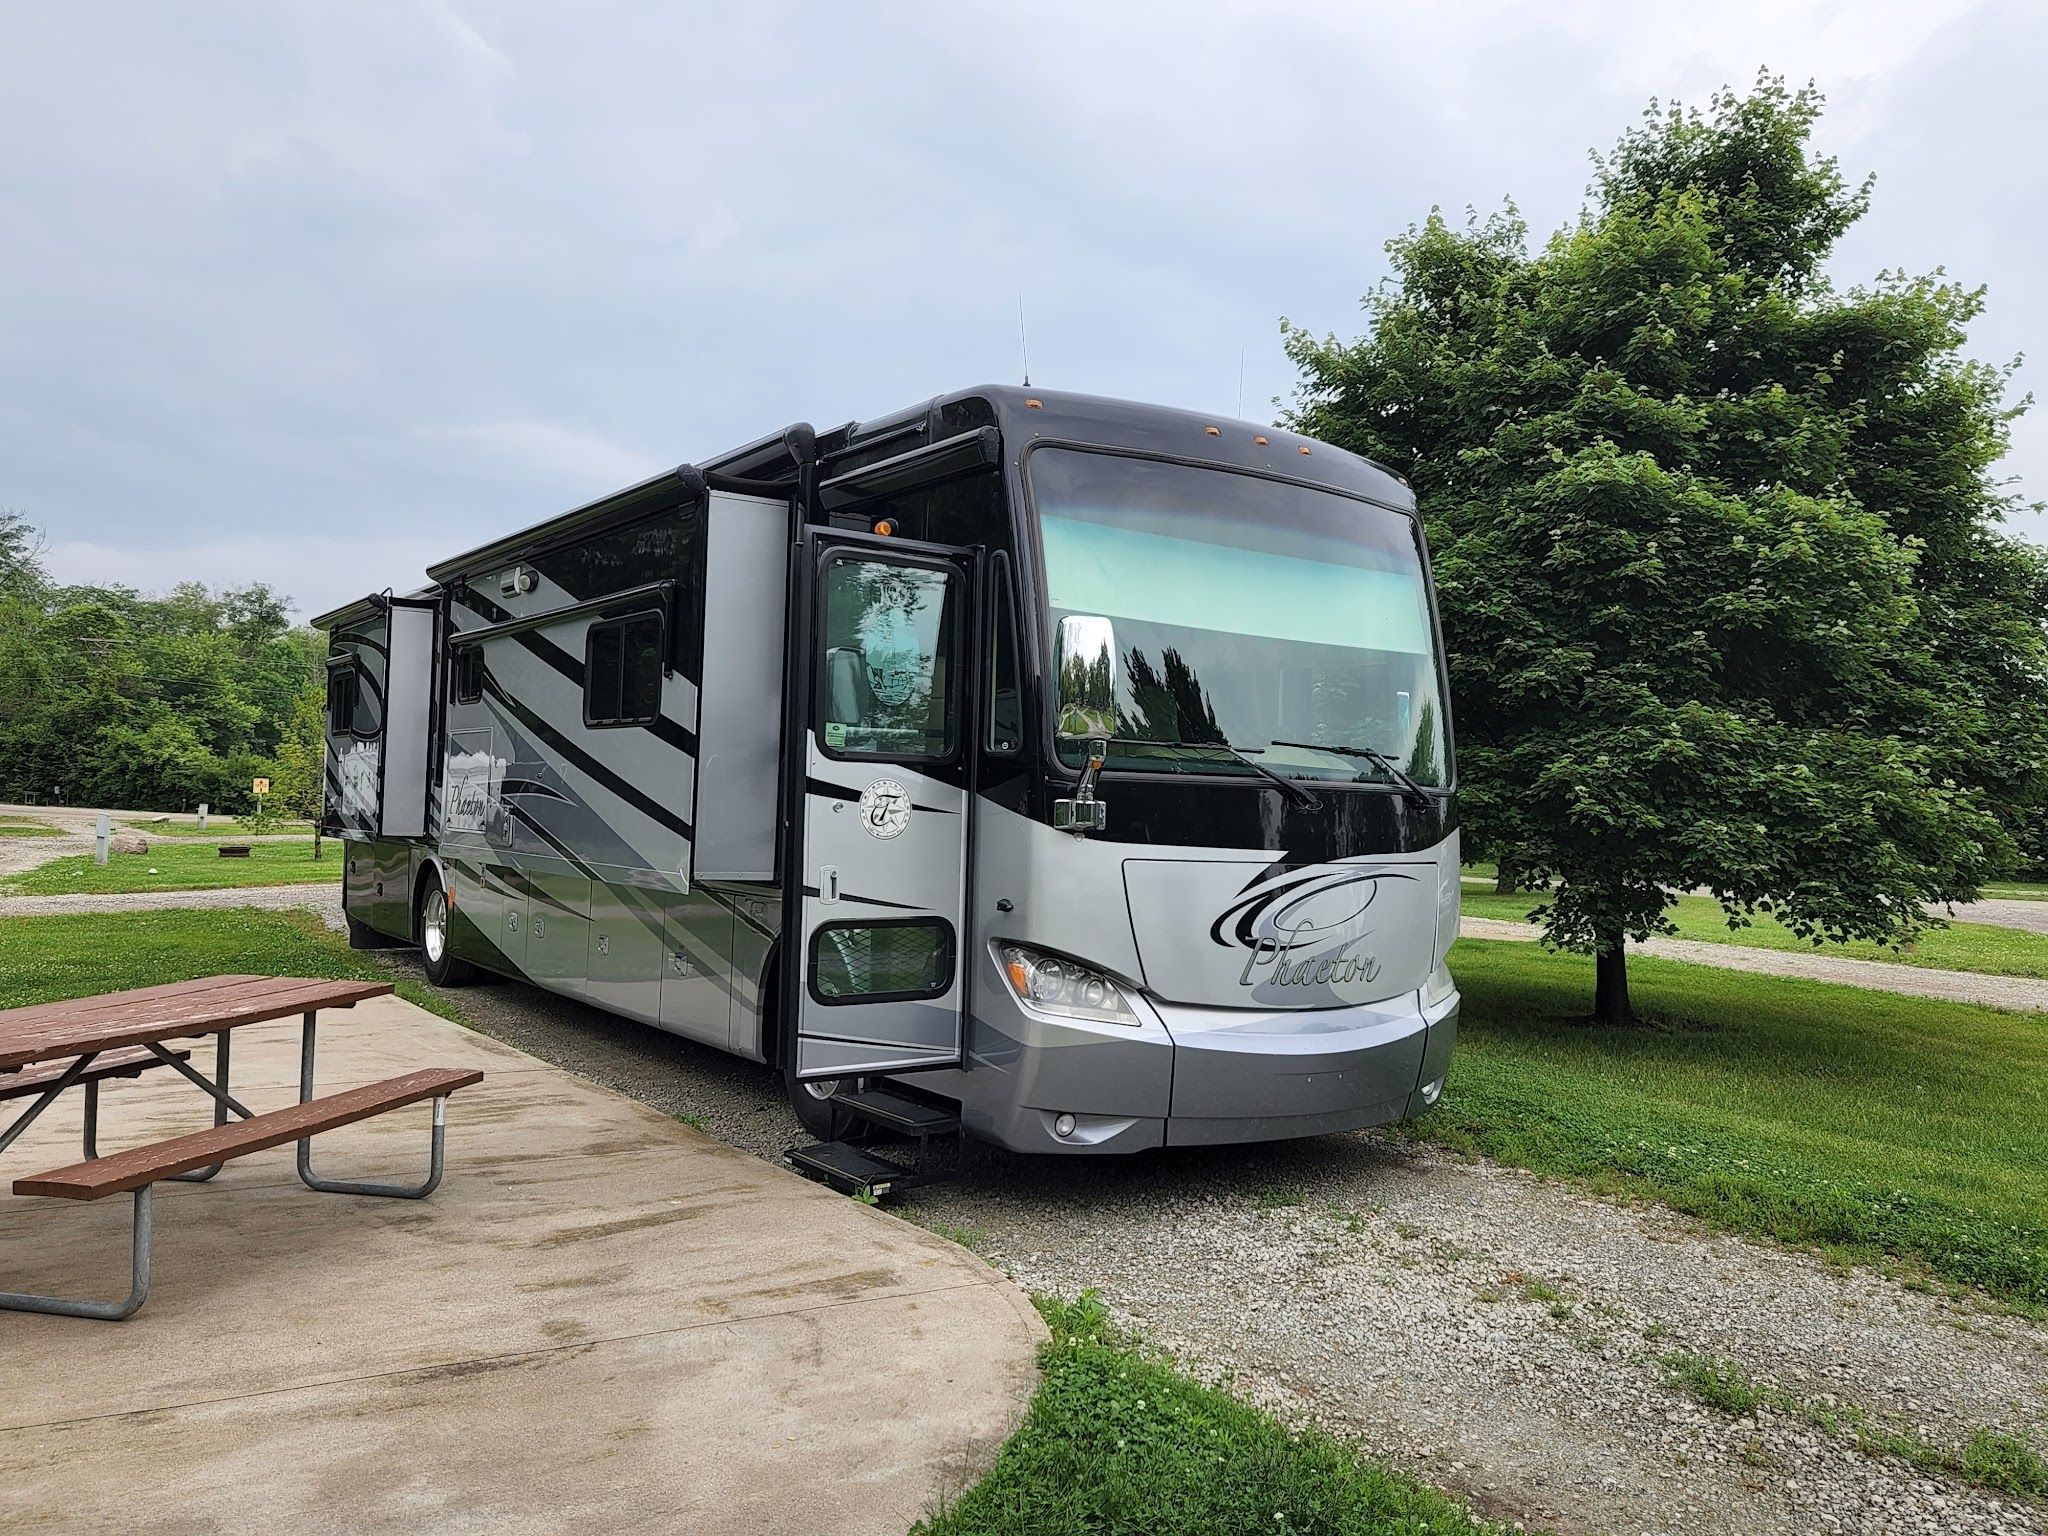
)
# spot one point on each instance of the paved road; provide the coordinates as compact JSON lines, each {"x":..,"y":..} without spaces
{"x":2017,"y":992}
{"x":1998,"y":911}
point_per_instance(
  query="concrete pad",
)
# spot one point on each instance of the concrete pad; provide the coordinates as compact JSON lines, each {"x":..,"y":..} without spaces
{"x":602,"y":1317}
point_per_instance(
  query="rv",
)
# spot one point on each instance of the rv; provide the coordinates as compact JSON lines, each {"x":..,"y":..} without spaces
{"x":1074,"y":771}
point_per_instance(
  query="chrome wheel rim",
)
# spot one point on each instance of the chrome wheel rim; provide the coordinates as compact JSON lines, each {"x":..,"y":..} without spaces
{"x":824,"y":1090}
{"x":434,"y":927}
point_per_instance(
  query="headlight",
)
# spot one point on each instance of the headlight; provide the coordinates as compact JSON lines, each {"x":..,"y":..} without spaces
{"x":1067,"y":988}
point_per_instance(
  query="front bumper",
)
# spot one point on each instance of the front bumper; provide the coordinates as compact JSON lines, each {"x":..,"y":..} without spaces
{"x":1200,"y":1076}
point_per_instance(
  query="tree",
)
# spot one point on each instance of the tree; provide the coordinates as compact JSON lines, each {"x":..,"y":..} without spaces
{"x":1725,"y":597}
{"x":111,"y":697}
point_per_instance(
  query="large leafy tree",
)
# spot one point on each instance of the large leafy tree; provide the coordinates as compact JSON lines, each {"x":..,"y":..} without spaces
{"x":1726,"y":597}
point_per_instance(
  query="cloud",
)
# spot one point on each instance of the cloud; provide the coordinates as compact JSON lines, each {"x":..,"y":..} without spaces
{"x":385,"y":281}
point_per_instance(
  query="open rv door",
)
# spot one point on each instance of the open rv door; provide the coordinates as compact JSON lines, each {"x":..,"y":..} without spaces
{"x":876,"y":885}
{"x":380,"y":718}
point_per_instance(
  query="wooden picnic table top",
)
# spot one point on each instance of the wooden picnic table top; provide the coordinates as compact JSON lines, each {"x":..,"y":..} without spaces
{"x":204,"y":1006}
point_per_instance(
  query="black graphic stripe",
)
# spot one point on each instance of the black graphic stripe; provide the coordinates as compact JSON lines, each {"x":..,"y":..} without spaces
{"x":634,"y":796}
{"x":536,"y":644}
{"x":828,"y":791}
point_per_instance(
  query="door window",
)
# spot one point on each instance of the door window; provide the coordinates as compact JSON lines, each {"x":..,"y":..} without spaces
{"x":890,"y":961}
{"x":886,"y":688}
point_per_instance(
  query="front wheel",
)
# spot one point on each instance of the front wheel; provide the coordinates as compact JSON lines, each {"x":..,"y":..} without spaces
{"x":441,"y":966}
{"x":812,"y":1104}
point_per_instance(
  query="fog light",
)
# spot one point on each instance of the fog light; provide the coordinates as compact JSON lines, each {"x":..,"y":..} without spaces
{"x":1432,"y":1091}
{"x":1063,"y":1127}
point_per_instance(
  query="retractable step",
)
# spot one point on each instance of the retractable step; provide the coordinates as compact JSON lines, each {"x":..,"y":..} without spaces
{"x":900,"y":1113}
{"x":852,"y":1170}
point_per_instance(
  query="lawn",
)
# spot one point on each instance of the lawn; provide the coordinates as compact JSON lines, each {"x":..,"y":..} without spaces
{"x":216,"y":826}
{"x":1867,"y":1124}
{"x":46,"y":959}
{"x":23,"y":826}
{"x":1983,"y":947}
{"x":1118,"y":1443}
{"x":190,"y":867}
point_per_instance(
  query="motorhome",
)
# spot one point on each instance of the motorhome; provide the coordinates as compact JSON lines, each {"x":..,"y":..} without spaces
{"x":1074,"y":771}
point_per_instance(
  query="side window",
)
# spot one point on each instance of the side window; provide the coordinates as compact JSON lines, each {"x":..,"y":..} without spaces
{"x":887,"y":686}
{"x":1005,"y":680}
{"x":343,"y":687}
{"x":622,"y":671}
{"x":467,"y":674}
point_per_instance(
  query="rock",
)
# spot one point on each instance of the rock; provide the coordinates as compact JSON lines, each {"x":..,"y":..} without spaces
{"x":128,"y":842}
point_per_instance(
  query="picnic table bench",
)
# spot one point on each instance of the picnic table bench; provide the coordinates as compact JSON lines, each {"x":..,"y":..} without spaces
{"x":51,"y":1047}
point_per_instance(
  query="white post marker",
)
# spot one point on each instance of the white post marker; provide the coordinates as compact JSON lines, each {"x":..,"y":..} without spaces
{"x":202,"y":815}
{"x":102,"y":830}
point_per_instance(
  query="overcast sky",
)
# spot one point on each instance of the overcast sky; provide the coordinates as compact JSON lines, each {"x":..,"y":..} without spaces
{"x":315,"y":293}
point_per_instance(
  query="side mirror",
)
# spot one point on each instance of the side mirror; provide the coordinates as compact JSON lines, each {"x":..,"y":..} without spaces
{"x":1086,"y":657}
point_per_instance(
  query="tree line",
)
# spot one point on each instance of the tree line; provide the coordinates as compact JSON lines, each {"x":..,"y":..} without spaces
{"x":109,"y":697}
{"x":1725,"y":587}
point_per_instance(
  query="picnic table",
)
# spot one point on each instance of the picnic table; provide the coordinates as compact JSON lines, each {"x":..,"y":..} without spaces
{"x":50,"y":1048}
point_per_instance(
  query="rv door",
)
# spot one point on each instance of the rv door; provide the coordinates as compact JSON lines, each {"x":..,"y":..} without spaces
{"x":877,"y":886}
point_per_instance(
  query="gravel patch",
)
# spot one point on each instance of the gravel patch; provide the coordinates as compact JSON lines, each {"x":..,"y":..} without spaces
{"x":2019,"y":993}
{"x":323,"y":899}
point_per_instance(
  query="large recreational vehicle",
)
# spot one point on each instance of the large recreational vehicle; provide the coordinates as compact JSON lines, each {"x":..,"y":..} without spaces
{"x":1075,"y":770}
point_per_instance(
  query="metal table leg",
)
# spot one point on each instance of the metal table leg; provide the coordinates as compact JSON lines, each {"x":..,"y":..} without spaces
{"x":223,"y":1101}
{"x":102,"y":1311}
{"x":44,"y":1100}
{"x":353,"y":1187}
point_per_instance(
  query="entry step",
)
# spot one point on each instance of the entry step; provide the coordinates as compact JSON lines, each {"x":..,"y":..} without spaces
{"x":851,"y":1170}
{"x":899,"y":1112}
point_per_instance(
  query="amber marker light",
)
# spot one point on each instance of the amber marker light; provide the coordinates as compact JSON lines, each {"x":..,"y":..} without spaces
{"x":1304,"y":450}
{"x":1034,"y":405}
{"x":884,"y":528}
{"x":1258,"y":439}
{"x":1213,"y":431}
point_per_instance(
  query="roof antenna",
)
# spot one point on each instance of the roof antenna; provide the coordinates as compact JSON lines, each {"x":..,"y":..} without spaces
{"x":1023,"y":342}
{"x":1240,"y":383}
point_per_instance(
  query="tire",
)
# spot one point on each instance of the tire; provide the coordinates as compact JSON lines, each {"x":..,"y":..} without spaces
{"x":816,"y":1114}
{"x":432,"y":924}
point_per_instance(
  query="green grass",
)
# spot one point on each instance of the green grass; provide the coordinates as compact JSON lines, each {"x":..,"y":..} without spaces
{"x":22,"y":826}
{"x":190,"y":867}
{"x":1119,"y":1443}
{"x":1873,"y":1126}
{"x":216,"y":826}
{"x":1991,"y":1458}
{"x":1981,"y":947}
{"x":47,"y":959}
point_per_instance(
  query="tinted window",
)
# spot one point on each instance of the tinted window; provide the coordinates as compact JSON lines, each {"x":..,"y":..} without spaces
{"x":886,"y":689}
{"x":469,"y":674}
{"x":342,"y":690}
{"x":869,"y":962}
{"x":622,"y":671}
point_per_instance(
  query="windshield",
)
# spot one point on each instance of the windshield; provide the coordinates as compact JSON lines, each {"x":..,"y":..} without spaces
{"x":1248,"y":612}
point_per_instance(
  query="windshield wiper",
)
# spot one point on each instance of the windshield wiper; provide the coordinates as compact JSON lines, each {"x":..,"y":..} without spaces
{"x":1294,"y":789}
{"x":1379,"y":760}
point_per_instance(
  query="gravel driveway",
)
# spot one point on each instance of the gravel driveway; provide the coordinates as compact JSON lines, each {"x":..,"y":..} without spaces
{"x":1386,"y":1291}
